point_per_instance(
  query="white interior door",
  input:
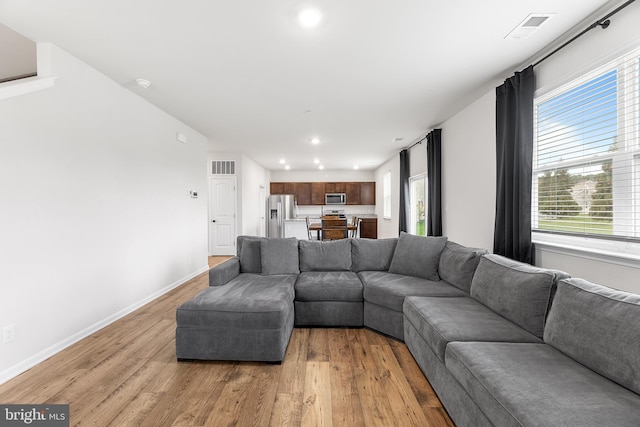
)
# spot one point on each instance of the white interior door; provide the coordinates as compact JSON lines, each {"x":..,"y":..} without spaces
{"x":222,"y":216}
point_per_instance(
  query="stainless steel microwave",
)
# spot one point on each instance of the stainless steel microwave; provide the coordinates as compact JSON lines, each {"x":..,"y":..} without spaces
{"x":335,"y":199}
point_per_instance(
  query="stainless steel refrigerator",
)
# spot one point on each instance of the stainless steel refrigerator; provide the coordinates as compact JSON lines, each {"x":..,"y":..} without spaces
{"x":280,"y":207}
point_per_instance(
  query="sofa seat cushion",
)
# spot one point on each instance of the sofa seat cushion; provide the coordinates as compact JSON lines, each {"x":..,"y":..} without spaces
{"x":328,"y":286}
{"x":389,"y":290}
{"x":443,"y":320}
{"x":524,"y":384}
{"x":249,"y":301}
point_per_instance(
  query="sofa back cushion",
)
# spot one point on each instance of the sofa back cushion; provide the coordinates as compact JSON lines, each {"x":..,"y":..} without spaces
{"x":458,"y":264}
{"x":372,"y":254}
{"x":598,"y":327}
{"x":279,"y":256}
{"x":417,"y":256}
{"x":325,"y":256}
{"x":248,"y":248}
{"x":517,"y":291}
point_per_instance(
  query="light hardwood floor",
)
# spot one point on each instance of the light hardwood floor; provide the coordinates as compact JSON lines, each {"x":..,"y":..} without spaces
{"x":127,"y":375}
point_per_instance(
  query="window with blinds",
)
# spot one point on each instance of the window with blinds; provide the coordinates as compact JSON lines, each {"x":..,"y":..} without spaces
{"x":586,"y":165}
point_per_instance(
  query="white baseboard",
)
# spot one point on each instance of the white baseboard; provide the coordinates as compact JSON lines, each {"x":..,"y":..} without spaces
{"x":41,"y":356}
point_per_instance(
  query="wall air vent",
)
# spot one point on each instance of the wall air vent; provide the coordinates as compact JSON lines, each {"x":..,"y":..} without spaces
{"x":529,"y":25}
{"x":223,"y":167}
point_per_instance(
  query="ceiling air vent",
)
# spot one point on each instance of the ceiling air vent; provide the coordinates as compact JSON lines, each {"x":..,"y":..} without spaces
{"x":529,"y":25}
{"x":223,"y":167}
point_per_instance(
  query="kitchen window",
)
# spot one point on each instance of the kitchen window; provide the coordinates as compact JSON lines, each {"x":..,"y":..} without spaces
{"x":586,"y":166}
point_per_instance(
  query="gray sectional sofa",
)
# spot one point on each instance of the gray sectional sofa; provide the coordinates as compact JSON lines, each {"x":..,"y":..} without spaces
{"x":501,"y":342}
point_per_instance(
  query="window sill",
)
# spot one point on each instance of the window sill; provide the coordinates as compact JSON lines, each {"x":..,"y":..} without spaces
{"x":24,"y":86}
{"x":621,"y":253}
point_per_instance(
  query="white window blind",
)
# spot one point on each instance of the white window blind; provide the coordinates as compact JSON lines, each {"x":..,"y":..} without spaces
{"x":586,"y":166}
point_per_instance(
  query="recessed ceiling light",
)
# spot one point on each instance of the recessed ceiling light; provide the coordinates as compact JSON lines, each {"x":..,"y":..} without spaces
{"x":315,"y":141}
{"x":320,"y":167}
{"x":287,"y":167}
{"x":309,"y":17}
{"x":356,"y":166}
{"x":282,"y":161}
{"x":143,"y":83}
{"x":316,"y":161}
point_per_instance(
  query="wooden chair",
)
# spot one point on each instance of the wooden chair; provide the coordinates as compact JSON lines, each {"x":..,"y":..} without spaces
{"x":356,"y":222}
{"x":309,"y":232}
{"x":334,"y":229}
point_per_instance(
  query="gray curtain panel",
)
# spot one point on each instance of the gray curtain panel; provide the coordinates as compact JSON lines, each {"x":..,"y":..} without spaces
{"x":403,"y":220}
{"x":434,"y":175}
{"x":514,"y":155}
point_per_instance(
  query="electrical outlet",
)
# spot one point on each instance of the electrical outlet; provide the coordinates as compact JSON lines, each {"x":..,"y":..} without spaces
{"x":8,"y":333}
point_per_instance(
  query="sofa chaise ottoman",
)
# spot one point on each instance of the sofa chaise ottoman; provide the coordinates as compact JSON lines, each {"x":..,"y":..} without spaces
{"x":247,"y":312}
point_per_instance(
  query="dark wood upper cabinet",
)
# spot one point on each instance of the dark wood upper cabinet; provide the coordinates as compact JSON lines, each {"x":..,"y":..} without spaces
{"x":276,"y":188}
{"x":335,"y":187}
{"x":317,"y":193}
{"x":353,"y":193}
{"x":303,"y":193}
{"x":312,"y":193}
{"x":290,"y":188}
{"x":367,"y":193}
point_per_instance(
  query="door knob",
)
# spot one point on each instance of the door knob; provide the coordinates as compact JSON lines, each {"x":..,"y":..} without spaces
{"x":213,"y":220}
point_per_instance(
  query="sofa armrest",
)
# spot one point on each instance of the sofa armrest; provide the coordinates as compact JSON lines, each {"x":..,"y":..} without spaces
{"x":221,"y":274}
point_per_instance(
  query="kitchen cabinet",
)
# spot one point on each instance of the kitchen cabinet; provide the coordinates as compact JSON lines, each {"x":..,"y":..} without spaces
{"x":353,"y":193}
{"x":367,"y":193}
{"x":276,"y":188}
{"x":303,"y":193}
{"x":335,"y":187}
{"x":312,"y":193}
{"x":369,"y":228}
{"x":317,"y":193}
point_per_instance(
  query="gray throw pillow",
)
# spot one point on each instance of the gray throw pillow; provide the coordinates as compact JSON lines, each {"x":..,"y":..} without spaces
{"x":372,"y":254}
{"x":250,"y":259}
{"x":417,"y":256}
{"x":279,"y":256}
{"x":325,"y":256}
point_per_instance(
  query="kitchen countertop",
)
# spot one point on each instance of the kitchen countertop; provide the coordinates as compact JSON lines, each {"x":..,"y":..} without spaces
{"x":317,"y":217}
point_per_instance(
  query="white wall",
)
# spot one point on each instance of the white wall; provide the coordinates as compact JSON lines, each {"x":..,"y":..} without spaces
{"x":96,"y":216}
{"x":469,"y":175}
{"x":388,"y":228}
{"x":254,"y":176}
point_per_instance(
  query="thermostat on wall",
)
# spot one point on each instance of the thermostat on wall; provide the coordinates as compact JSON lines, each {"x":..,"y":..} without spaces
{"x":193,"y":194}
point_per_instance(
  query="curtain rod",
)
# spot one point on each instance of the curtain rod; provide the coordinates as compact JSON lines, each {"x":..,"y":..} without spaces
{"x":602,"y":22}
{"x":417,"y":142}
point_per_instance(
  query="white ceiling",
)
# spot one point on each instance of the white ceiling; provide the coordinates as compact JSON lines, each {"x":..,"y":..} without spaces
{"x":243,"y":73}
